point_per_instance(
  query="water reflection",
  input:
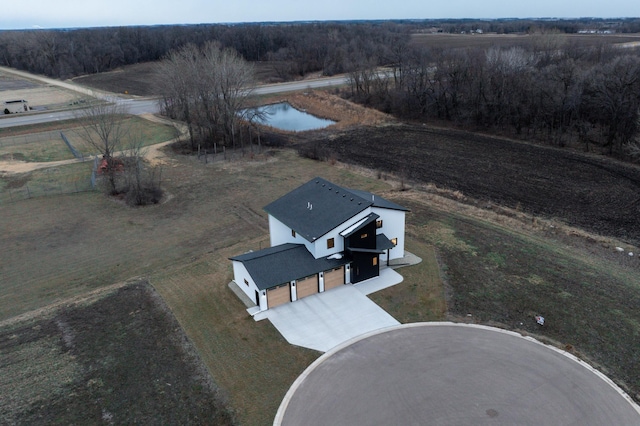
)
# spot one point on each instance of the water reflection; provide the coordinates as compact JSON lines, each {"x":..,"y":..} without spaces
{"x":285,"y":117}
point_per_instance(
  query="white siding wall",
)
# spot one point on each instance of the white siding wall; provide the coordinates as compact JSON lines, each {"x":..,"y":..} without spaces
{"x":240,"y":274}
{"x":392,"y":227}
{"x":321,"y":249}
{"x":393,"y":224}
{"x":281,"y":234}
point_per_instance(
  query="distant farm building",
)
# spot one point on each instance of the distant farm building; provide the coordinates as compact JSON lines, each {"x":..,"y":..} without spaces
{"x":13,"y":107}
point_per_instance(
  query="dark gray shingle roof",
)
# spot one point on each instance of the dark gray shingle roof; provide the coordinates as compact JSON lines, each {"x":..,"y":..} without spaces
{"x":280,"y":264}
{"x":383,"y":242}
{"x":319,"y":206}
{"x":316,"y":208}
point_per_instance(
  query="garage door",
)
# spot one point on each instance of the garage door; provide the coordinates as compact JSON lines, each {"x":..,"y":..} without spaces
{"x":333,"y":278}
{"x":278,"y":295}
{"x":307,"y":286}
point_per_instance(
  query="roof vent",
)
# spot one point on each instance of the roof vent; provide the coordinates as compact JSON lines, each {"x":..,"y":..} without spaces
{"x":344,"y":195}
{"x":309,"y":205}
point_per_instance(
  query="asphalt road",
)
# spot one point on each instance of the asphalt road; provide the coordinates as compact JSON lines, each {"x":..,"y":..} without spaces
{"x":452,"y":374}
{"x":139,"y":106}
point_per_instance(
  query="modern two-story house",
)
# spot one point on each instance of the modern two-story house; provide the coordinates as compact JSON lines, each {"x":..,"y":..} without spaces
{"x":322,"y":236}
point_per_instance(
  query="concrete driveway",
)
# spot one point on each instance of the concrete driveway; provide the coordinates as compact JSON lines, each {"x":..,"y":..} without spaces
{"x":453,"y":374}
{"x":326,"y":320}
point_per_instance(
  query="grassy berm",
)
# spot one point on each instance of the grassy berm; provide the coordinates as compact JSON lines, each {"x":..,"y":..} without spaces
{"x":120,"y":360}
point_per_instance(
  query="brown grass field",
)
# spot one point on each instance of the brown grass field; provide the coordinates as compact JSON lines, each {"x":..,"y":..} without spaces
{"x":139,"y":79}
{"x":47,"y":145}
{"x":39,"y":96}
{"x":65,"y":367}
{"x":483,"y":262}
{"x":85,"y":242}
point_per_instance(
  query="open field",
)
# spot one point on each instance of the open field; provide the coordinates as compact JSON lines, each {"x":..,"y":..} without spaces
{"x":84,"y":242}
{"x":135,"y":79}
{"x":48,"y":145}
{"x":19,"y":150}
{"x":497,"y":265}
{"x":45,"y":182}
{"x":590,"y":192}
{"x":454,"y":41}
{"x":139,"y":79}
{"x":119,"y":358}
{"x":40,"y":96}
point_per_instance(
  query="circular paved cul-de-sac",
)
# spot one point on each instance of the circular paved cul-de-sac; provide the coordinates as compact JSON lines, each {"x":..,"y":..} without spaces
{"x":452,"y":374}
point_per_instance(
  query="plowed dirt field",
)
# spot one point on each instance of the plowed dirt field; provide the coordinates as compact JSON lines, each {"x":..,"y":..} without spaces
{"x":594,"y":193}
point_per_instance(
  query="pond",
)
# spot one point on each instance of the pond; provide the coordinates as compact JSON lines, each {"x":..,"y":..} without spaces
{"x":285,"y":117}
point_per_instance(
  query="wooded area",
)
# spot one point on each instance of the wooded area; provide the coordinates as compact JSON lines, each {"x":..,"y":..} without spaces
{"x":299,"y":48}
{"x":302,"y":47}
{"x":546,"y":88}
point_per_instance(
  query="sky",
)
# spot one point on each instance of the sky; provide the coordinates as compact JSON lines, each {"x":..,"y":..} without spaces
{"x":21,"y":14}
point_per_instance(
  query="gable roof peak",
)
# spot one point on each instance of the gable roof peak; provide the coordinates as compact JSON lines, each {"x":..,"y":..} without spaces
{"x":318,"y":206}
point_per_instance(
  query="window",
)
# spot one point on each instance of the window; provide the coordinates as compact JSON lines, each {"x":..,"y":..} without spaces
{"x":379,"y":223}
{"x":246,"y":282}
{"x":331,"y":243}
{"x":293,"y":233}
{"x":363,"y":236}
{"x":375,"y":261}
{"x":394,"y":241}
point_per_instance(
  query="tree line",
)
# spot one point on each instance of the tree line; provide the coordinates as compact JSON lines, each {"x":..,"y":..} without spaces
{"x":296,"y":48}
{"x":206,"y":88}
{"x":545,"y":90}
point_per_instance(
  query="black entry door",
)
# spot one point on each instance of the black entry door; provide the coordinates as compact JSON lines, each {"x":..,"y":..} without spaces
{"x":364,"y":266}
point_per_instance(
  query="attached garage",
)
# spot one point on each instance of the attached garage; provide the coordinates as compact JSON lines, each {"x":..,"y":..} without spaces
{"x":333,"y":278}
{"x":277,"y":296}
{"x":307,"y":286}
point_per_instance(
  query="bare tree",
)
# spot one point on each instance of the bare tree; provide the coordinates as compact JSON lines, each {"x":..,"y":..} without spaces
{"x":140,"y":186}
{"x":611,"y":100}
{"x":104,"y":127}
{"x":206,"y":88}
{"x":254,"y":117}
{"x":175,"y":77}
{"x":633,"y":146}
